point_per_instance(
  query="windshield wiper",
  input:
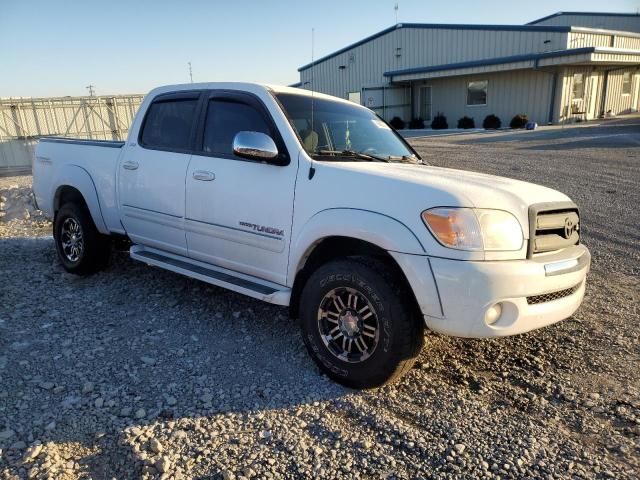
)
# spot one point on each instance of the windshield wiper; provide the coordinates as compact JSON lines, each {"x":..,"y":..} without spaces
{"x":353,"y":153}
{"x":405,"y":159}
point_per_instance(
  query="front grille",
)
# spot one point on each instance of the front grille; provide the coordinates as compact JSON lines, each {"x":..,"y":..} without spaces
{"x":553,"y":227}
{"x":550,"y":297}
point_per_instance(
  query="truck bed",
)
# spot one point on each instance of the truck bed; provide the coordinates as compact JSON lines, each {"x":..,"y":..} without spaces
{"x":57,"y":159}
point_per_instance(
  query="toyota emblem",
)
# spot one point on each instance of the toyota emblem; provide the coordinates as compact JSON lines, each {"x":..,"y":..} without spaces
{"x":569,"y":227}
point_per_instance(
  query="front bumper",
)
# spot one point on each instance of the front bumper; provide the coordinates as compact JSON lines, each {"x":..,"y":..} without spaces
{"x":468,"y":290}
{"x":454,"y":296}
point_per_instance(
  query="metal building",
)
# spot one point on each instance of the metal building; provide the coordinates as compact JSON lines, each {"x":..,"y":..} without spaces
{"x":552,"y":73}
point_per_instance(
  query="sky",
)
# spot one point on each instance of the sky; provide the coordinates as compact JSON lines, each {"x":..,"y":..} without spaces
{"x":58,"y":47}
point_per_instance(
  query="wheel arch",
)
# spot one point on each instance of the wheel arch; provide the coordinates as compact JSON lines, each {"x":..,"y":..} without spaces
{"x":379,"y":230}
{"x":344,"y":232}
{"x":336,"y":247}
{"x":76,"y":185}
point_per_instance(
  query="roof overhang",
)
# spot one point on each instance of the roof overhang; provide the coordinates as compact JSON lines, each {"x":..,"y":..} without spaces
{"x":578,"y":56}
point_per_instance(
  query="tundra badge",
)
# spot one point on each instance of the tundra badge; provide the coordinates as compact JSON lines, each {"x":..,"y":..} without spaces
{"x":263,"y":229}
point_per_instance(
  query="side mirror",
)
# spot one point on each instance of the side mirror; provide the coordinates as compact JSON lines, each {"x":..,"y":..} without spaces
{"x":255,"y":146}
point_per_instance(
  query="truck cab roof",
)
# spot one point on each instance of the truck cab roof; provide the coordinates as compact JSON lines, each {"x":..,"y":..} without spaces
{"x":251,"y":87}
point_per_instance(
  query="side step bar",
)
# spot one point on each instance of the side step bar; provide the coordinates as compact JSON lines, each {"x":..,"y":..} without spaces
{"x":221,"y":277}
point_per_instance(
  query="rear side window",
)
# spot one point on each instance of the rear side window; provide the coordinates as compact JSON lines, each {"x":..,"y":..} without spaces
{"x":225,"y":118}
{"x":168,"y":124}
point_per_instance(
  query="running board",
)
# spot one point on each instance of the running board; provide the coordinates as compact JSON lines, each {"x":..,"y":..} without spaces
{"x":221,"y":277}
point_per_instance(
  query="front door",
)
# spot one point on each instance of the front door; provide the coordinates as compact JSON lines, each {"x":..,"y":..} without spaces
{"x":239,"y":212}
{"x":151,"y":174}
{"x":594,"y":79}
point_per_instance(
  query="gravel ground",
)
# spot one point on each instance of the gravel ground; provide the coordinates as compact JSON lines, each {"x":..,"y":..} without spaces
{"x":137,"y":372}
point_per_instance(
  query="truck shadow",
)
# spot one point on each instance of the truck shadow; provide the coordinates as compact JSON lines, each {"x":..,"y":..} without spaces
{"x":135,"y":346}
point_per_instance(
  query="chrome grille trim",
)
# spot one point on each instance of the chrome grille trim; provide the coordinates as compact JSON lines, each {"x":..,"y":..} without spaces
{"x":551,"y":296}
{"x":548,"y":224}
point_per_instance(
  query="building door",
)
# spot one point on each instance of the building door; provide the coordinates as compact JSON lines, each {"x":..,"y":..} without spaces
{"x":425,"y":103}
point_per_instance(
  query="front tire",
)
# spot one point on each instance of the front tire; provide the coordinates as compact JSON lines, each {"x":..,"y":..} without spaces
{"x":359,"y":324}
{"x":81,"y":248}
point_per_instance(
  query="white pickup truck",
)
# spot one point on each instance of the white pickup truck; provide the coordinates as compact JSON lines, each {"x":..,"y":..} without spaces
{"x":313,"y":202}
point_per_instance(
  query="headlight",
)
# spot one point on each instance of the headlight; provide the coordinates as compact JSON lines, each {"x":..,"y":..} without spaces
{"x":474,"y":228}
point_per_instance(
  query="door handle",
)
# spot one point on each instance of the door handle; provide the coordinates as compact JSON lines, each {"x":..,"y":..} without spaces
{"x":129,"y":165}
{"x":204,"y":175}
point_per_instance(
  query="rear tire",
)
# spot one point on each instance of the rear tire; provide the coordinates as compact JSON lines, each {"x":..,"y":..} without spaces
{"x":81,"y":248}
{"x":359,"y":323}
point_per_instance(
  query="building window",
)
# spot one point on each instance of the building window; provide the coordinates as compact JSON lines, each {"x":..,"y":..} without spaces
{"x":578,"y":86}
{"x":477,"y":93}
{"x":626,"y":83}
{"x":354,"y":97}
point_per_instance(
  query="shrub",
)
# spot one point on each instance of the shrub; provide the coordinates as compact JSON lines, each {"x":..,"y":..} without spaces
{"x":397,"y":123}
{"x":466,"y":122}
{"x":416,"y":123}
{"x":439,"y":122}
{"x":519,"y":121}
{"x":491,"y":122}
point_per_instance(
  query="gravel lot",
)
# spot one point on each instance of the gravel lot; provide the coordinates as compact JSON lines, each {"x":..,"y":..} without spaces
{"x":137,"y":372}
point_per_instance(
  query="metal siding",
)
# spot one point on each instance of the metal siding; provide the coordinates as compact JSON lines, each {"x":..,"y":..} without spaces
{"x":607,"y":22}
{"x":616,"y":102}
{"x":622,"y":58}
{"x":591,"y":101}
{"x":582,"y":39}
{"x":628,"y":43}
{"x":508,"y":94}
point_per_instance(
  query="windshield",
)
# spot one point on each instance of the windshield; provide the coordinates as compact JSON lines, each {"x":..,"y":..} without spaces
{"x":340,"y":130}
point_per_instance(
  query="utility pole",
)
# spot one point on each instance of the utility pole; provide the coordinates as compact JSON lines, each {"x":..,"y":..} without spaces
{"x":91,"y":89}
{"x":190,"y":72}
{"x":396,"y":11}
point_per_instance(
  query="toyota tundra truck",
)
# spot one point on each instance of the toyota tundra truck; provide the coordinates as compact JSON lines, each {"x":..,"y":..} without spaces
{"x":313,"y":202}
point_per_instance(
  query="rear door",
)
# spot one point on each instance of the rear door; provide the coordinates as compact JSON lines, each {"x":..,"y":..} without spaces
{"x":152,"y":173}
{"x":238,"y":211}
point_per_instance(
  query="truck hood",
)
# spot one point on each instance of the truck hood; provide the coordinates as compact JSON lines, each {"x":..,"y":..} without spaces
{"x":458,"y":188}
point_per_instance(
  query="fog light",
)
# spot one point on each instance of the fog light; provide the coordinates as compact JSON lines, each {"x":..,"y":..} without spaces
{"x":493,"y":314}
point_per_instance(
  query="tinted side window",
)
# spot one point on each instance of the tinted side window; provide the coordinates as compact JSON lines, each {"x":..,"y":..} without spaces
{"x":168,"y":124}
{"x":225,"y":118}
